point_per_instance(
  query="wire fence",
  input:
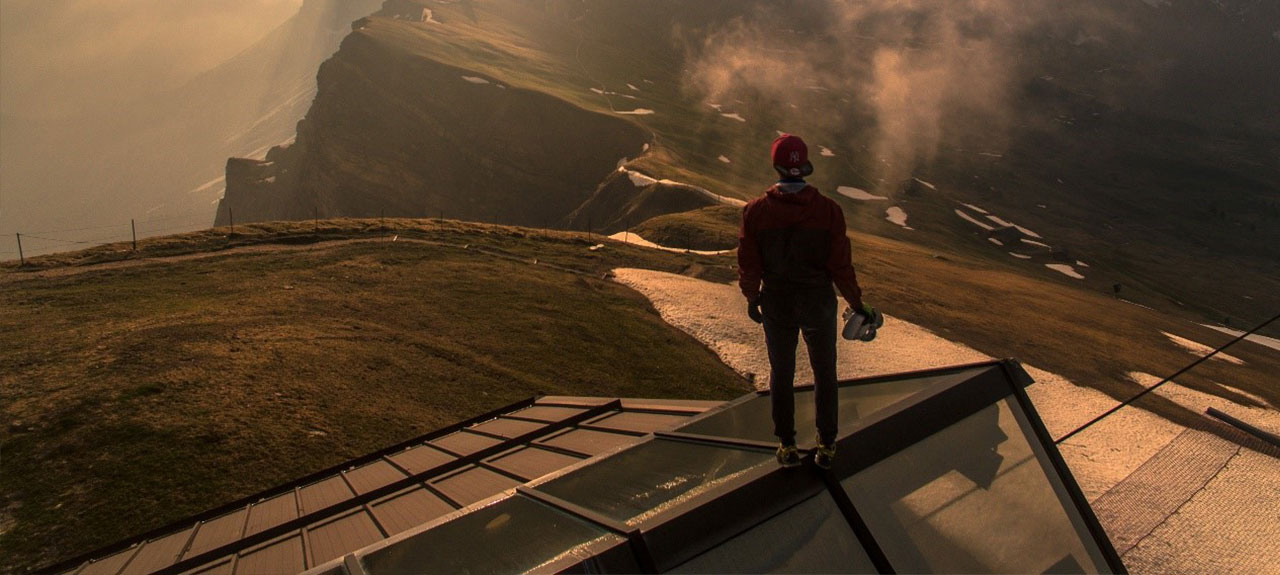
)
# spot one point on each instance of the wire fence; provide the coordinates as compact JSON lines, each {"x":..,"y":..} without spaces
{"x":47,"y":241}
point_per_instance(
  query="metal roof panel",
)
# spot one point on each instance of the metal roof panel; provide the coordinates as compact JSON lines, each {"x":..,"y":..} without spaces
{"x":532,"y":462}
{"x":474,"y":484}
{"x":464,"y":443}
{"x":217,"y":532}
{"x":111,"y":565}
{"x":410,"y":509}
{"x":280,"y":556}
{"x":374,"y":475}
{"x":639,"y":422}
{"x":272,"y":512}
{"x":324,"y":493}
{"x":589,"y":441}
{"x":508,"y":428}
{"x":158,"y":553}
{"x":421,"y":458}
{"x":341,"y":536}
{"x":547,"y":413}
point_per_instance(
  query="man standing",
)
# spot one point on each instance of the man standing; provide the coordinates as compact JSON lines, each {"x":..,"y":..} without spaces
{"x":793,"y":240}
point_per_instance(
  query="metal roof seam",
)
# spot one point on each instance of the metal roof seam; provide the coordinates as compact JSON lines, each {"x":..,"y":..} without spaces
{"x":308,"y":560}
{"x":854,"y":519}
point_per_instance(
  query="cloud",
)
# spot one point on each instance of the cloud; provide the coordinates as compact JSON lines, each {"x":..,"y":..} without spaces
{"x":906,"y":76}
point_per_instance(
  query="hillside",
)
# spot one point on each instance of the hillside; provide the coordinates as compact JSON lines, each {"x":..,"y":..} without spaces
{"x":140,"y":388}
{"x":1096,"y":136}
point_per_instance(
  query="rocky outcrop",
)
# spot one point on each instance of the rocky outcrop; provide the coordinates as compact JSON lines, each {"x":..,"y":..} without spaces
{"x":628,"y":198}
{"x":394,"y":133}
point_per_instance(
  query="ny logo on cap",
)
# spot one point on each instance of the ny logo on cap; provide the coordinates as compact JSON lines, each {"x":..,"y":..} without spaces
{"x":795,"y":156}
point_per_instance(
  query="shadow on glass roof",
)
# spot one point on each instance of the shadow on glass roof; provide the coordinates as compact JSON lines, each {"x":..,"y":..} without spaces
{"x":941,"y":471}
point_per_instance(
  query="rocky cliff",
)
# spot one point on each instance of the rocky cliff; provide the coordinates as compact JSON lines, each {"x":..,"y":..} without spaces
{"x":394,"y":133}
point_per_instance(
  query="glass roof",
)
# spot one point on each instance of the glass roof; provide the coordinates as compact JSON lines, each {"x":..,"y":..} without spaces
{"x":750,"y":419}
{"x":514,"y":535}
{"x":976,"y":497}
{"x":644,"y":480}
{"x":812,"y":537}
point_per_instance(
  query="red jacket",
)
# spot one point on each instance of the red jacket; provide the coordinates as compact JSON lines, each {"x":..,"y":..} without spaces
{"x":794,"y":241}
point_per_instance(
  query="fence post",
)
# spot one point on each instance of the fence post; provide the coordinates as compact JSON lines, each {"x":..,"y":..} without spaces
{"x":22,"y":260}
{"x":133,"y":225}
{"x":588,"y":229}
{"x":231,"y":217}
{"x":315,"y":211}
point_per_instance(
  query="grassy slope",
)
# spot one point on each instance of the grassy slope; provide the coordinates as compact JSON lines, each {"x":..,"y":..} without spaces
{"x":1149,"y":237}
{"x":1090,"y":338}
{"x":160,"y":390}
{"x":713,"y":228}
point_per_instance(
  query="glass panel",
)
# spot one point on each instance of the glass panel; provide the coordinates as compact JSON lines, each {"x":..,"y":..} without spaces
{"x":753,"y":419}
{"x":812,"y":537}
{"x":514,"y":535}
{"x":640,"y":482}
{"x":979,"y":496}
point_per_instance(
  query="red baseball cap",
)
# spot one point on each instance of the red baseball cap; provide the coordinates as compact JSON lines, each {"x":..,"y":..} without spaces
{"x":790,"y":156}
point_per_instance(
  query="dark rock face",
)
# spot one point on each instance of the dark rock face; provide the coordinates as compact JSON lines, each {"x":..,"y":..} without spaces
{"x":397,"y":134}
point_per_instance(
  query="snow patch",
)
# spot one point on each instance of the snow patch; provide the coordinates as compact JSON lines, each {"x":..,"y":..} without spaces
{"x":898,"y":216}
{"x":1081,"y":264}
{"x":990,"y":155}
{"x":1020,"y":256}
{"x":643,"y":181}
{"x":639,"y":180}
{"x":826,"y":152}
{"x":635,"y":240}
{"x":1262,"y":340}
{"x":633,"y":87}
{"x":475,"y":79}
{"x":725,"y":159}
{"x":974,"y":221}
{"x":735,"y":116}
{"x":858,"y":194}
{"x":1065,"y":270}
{"x":638,"y":112}
{"x":995,"y":241}
{"x":1005,"y":222}
{"x":975,"y":208}
{"x":1037,"y":244}
{"x":717,"y":107}
{"x":1197,"y":348}
{"x":926,"y":184}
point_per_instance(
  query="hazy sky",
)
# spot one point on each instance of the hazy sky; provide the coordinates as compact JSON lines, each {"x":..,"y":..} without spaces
{"x":60,"y":57}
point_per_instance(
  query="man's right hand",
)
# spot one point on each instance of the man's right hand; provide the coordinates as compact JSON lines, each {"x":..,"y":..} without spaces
{"x":753,"y":310}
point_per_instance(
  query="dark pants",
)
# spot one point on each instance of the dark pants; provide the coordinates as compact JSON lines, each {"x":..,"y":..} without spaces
{"x":812,"y":313}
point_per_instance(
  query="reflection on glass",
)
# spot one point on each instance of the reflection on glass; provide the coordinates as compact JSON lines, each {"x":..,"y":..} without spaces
{"x":514,"y":535}
{"x":753,"y":420}
{"x":645,"y":480}
{"x":979,"y":496}
{"x":812,"y":537}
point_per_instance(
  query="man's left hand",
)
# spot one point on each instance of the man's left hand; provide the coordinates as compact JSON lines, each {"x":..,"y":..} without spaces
{"x":753,"y":310}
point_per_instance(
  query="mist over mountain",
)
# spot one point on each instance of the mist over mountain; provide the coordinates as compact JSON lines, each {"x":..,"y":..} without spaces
{"x":1141,"y":135}
{"x":150,"y":138}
